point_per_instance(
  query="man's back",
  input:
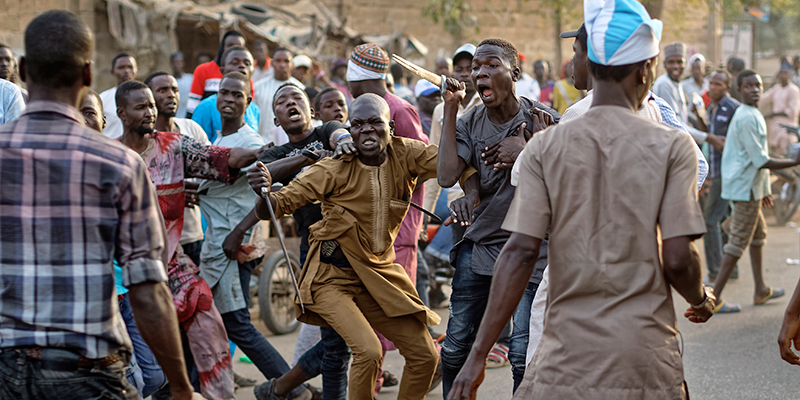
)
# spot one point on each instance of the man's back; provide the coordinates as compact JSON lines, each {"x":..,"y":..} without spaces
{"x":611,"y":329}
{"x":71,"y":197}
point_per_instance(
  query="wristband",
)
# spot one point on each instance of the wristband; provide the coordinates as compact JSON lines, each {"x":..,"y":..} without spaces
{"x":344,"y":135}
{"x":320,"y":74}
{"x":705,"y":299}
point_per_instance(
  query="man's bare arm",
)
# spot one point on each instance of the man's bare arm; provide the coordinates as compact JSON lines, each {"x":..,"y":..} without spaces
{"x":515,"y":262}
{"x":241,"y":157}
{"x":155,"y":317}
{"x":790,"y":329}
{"x":449,"y":165}
{"x":682,"y":271}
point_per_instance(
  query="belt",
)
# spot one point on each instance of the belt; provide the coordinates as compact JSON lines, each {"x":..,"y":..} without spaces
{"x":68,"y":356}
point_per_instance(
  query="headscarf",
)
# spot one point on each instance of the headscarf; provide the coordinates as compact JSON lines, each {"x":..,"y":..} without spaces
{"x":620,"y":32}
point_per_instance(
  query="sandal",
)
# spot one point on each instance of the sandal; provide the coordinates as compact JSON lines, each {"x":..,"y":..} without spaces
{"x":724,"y":308}
{"x":389,"y":379}
{"x":498,"y":357}
{"x":773,"y":294}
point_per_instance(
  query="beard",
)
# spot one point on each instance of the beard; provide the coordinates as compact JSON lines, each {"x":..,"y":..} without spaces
{"x":144,"y":130}
{"x":168,"y":114}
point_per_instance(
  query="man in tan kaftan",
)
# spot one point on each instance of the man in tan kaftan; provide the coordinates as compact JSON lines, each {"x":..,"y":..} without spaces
{"x":604,"y":184}
{"x":350,"y":280}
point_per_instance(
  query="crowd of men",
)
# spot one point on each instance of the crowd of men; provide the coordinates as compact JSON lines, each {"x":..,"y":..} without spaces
{"x":125,"y":214}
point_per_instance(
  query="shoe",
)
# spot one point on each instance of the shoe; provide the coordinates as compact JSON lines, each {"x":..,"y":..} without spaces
{"x":773,"y":294}
{"x":437,"y":376}
{"x":389,"y":379}
{"x":498,"y":357}
{"x":725,"y":308}
{"x":265,"y":391}
{"x":243,"y":382}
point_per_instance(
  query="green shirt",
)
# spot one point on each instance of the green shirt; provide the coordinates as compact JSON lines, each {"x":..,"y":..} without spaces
{"x":744,"y":155}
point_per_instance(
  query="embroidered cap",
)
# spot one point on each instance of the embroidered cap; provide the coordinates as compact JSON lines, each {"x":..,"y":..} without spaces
{"x":370,"y":57}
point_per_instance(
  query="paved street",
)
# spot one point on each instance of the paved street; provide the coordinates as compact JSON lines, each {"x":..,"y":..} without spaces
{"x":731,"y":357}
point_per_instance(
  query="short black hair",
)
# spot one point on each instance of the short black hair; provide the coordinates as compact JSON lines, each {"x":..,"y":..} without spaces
{"x":238,"y":76}
{"x":737,"y":64}
{"x":283,"y":49}
{"x":221,"y":48}
{"x":153,"y":76}
{"x":92,"y":93}
{"x":744,"y":74}
{"x":323,"y":92}
{"x":58,"y":46}
{"x":614,"y":73}
{"x":125,"y":89}
{"x":510,"y":52}
{"x":723,"y":72}
{"x":285,"y":85}
{"x":175,"y":55}
{"x":397,"y":72}
{"x":225,"y":55}
{"x":118,"y":56}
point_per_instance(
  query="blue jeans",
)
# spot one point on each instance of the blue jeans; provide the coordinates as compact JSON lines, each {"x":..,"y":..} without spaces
{"x":145,"y":372}
{"x":329,"y":357}
{"x":715,"y":210}
{"x":467,"y":305}
{"x":242,"y":332}
{"x":55,"y":375}
{"x":518,"y":345}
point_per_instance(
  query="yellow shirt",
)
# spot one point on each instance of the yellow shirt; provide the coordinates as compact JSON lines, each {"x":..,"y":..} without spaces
{"x":565,"y":95}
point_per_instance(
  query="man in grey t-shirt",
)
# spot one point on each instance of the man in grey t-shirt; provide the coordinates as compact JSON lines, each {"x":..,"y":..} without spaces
{"x":488,"y":138}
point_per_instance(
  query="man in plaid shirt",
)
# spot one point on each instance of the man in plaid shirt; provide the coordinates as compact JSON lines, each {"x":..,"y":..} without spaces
{"x":73,"y":201}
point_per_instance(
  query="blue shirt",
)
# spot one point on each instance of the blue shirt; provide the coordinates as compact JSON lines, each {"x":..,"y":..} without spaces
{"x":209,"y":118}
{"x":720,"y":117}
{"x":744,"y":155}
{"x":669,"y":118}
{"x":11,"y":102}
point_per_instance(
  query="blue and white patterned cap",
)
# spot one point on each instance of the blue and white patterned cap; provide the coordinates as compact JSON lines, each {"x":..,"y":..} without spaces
{"x":621,"y":32}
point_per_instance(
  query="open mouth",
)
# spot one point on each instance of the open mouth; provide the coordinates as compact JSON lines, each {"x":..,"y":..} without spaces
{"x":369,"y":143}
{"x":227,"y":109}
{"x":294,"y":114}
{"x":485,"y":92}
{"x":339,"y":117}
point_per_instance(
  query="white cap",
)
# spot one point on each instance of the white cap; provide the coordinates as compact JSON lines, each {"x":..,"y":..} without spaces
{"x":424,"y":88}
{"x":302,"y":60}
{"x":468,"y":48}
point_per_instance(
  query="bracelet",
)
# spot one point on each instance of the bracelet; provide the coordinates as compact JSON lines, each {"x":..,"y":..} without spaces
{"x":320,"y":74}
{"x":705,"y":299}
{"x":344,"y":135}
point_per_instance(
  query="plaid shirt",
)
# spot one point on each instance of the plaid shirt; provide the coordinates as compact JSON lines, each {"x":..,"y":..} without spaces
{"x":669,"y":118}
{"x":71,"y":202}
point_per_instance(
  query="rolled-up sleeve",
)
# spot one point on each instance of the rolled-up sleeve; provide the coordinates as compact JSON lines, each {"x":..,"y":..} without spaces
{"x":680,"y":213}
{"x":530,"y":212}
{"x":141,"y":246}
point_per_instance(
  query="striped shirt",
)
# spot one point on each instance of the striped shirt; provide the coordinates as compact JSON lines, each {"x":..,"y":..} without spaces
{"x":72,"y":201}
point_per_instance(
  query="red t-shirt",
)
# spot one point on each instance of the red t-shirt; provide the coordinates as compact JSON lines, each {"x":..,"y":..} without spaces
{"x":206,"y":82}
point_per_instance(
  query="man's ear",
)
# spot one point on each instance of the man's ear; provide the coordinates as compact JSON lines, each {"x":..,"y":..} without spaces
{"x":249,"y":100}
{"x":515,"y":74}
{"x":21,"y":69}
{"x":313,"y":113}
{"x":275,"y":121}
{"x":391,"y":127}
{"x":87,"y":74}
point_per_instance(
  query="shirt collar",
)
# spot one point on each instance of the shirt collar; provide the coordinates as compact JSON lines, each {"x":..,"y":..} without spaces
{"x":42,"y":106}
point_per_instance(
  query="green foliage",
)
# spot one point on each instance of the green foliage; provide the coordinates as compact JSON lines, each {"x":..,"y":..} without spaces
{"x":452,"y":14}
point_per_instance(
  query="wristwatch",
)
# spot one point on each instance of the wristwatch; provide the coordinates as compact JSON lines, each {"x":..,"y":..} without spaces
{"x":705,"y":299}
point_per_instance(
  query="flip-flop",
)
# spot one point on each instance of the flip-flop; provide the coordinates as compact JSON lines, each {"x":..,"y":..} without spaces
{"x":724,"y":308}
{"x":773,"y":294}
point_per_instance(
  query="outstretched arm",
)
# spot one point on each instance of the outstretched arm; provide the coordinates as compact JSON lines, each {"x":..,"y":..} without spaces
{"x":516,"y":260}
{"x":449,"y":164}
